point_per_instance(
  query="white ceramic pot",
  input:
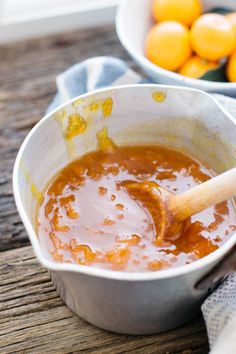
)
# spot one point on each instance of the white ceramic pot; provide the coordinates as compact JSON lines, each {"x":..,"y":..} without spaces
{"x":134,"y":19}
{"x":187,"y":119}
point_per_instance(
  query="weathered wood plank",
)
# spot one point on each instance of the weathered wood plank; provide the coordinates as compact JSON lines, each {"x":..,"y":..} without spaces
{"x":34,"y":320}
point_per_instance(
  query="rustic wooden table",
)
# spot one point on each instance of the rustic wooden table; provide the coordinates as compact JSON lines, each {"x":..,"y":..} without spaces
{"x":33,"y":319}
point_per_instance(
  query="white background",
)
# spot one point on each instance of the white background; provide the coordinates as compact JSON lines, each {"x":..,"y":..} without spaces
{"x":22,"y":19}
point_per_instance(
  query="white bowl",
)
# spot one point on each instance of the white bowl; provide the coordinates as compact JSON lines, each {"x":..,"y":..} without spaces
{"x":133,"y":21}
{"x":131,"y":303}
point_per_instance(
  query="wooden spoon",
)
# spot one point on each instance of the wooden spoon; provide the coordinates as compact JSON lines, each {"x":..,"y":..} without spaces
{"x":170,"y":212}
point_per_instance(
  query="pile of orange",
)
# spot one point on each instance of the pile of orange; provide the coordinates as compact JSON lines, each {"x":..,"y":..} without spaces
{"x":187,"y":41}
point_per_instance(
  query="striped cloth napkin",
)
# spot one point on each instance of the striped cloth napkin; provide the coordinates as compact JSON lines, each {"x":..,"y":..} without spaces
{"x":219,"y":309}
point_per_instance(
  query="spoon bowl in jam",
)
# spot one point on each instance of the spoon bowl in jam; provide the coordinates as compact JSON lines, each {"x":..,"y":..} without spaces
{"x":171,"y":212}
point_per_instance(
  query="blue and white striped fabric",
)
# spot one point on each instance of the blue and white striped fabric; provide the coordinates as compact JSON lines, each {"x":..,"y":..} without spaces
{"x":93,"y":74}
{"x":219,"y":310}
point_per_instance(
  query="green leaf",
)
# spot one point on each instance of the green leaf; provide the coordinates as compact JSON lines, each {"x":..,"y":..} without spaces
{"x":217,"y":74}
{"x":220,"y":10}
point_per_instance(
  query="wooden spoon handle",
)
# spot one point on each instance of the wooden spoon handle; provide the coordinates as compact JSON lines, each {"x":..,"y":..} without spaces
{"x":203,"y":196}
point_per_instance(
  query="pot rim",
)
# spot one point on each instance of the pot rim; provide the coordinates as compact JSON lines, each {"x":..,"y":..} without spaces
{"x":98,"y":272}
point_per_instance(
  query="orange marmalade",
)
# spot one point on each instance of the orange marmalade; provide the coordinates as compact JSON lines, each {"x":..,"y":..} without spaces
{"x":85,"y":217}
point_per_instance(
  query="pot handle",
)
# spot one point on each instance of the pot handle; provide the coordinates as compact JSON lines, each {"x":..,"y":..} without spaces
{"x":226,"y":266}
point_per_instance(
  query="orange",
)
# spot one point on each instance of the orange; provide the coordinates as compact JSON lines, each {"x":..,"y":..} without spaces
{"x":212,"y":36}
{"x":231,"y":68}
{"x":231,"y":17}
{"x":168,"y":45}
{"x":196,"y":67}
{"x":184,"y":11}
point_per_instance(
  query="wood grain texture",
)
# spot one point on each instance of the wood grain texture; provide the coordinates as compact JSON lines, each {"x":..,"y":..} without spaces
{"x":32,"y":317}
{"x":34,"y":320}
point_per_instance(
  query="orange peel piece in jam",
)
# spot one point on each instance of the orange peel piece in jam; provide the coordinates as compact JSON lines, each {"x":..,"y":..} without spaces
{"x":158,"y":264}
{"x":131,"y":240}
{"x":57,"y":256}
{"x":56,"y":223}
{"x":102,"y":190}
{"x":55,"y":240}
{"x":83,"y":254}
{"x":118,"y":257}
{"x":58,"y":244}
{"x":108,"y":221}
{"x":66,"y":203}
